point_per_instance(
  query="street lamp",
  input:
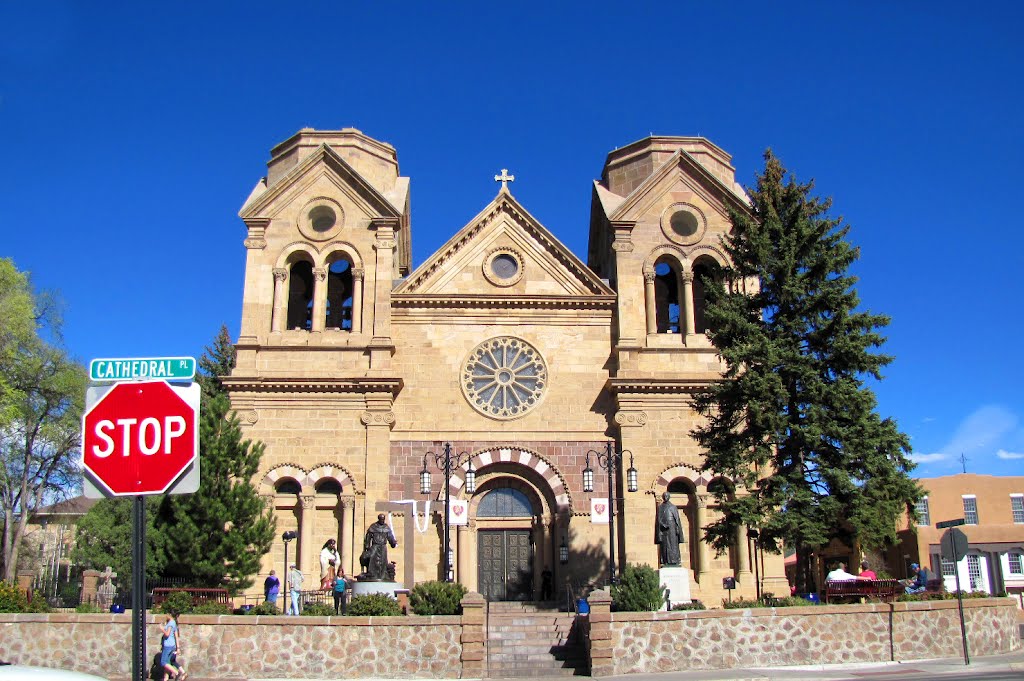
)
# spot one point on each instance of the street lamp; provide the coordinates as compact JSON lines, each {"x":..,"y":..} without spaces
{"x":610,"y":460}
{"x":287,"y":537}
{"x":563,"y":552}
{"x":448,"y":463}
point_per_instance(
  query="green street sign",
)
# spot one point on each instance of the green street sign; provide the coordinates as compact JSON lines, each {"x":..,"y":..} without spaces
{"x":142,"y":368}
{"x":950,"y":523}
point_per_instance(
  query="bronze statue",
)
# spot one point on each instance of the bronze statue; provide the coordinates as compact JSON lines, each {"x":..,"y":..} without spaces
{"x":374,"y":559}
{"x":668,"y":532}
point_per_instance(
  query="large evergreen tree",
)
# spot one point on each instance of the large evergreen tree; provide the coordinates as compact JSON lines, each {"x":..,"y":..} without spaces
{"x":793,"y":421}
{"x":218,"y":535}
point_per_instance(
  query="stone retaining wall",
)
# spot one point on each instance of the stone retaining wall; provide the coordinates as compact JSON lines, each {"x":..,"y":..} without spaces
{"x":622,"y":643}
{"x":246,"y":646}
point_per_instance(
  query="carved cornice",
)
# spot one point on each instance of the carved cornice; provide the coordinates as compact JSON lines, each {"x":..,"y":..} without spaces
{"x":313,"y":385}
{"x":255,"y":244}
{"x":491,"y":302}
{"x":622,"y":246}
{"x":656,"y":385}
{"x":385,"y":244}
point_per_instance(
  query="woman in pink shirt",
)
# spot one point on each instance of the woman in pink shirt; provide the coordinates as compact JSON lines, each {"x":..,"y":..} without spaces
{"x":866,"y":573}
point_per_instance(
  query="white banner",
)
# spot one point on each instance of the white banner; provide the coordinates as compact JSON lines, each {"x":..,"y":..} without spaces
{"x":458,"y":512}
{"x":599,"y":511}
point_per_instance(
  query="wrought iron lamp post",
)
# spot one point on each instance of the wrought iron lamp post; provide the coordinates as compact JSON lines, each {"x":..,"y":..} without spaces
{"x":448,"y":463}
{"x":610,"y":460}
{"x":287,"y":537}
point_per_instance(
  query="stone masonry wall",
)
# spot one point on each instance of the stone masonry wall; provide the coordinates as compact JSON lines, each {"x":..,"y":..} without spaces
{"x":720,"y":639}
{"x":245,"y":646}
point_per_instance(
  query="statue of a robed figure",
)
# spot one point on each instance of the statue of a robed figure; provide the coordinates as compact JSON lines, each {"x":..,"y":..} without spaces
{"x":668,"y":531}
{"x":374,"y":558}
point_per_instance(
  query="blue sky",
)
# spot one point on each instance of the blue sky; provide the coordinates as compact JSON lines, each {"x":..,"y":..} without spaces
{"x":133,"y":132}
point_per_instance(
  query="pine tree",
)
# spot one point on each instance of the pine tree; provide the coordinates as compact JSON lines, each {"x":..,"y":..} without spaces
{"x":793,"y":421}
{"x":218,"y":535}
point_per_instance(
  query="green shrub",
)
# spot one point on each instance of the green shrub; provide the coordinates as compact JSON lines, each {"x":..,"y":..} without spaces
{"x":12,"y":599}
{"x":211,"y":608}
{"x":263,"y":609}
{"x":38,"y":603}
{"x":437,"y":598}
{"x":692,"y":605}
{"x":373,"y":605}
{"x":87,"y":608}
{"x":177,"y":601}
{"x":318,"y":610}
{"x":638,"y":590}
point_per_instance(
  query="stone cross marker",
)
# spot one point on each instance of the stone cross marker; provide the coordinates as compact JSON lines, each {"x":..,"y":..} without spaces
{"x":105,"y":592}
{"x":504,"y":178}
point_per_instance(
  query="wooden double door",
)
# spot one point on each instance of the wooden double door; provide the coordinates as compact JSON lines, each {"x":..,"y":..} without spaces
{"x":506,"y":565}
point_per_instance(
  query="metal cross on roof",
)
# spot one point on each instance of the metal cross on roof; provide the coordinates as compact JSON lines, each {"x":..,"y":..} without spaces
{"x":504,"y":178}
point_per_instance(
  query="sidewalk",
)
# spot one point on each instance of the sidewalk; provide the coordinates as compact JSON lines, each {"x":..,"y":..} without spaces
{"x":923,"y":669}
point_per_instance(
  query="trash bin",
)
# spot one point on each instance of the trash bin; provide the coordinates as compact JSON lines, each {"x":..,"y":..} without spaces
{"x":582,"y":607}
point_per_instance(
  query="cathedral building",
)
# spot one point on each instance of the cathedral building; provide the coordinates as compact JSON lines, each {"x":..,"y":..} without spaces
{"x":538,"y":378}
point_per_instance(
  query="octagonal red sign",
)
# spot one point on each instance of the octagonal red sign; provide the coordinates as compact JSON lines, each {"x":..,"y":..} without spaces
{"x":138,"y":438}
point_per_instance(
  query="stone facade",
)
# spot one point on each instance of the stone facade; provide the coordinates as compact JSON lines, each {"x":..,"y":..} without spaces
{"x":622,"y":643}
{"x":355,"y":367}
{"x":454,"y":647}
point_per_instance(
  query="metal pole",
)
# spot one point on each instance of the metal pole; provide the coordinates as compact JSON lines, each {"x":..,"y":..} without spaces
{"x":611,"y":513}
{"x":139,"y":588}
{"x":447,"y":510}
{"x":960,"y":604}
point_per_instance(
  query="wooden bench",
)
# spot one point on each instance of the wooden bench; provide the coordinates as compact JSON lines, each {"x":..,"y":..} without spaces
{"x":885,"y":590}
{"x":198,"y":595}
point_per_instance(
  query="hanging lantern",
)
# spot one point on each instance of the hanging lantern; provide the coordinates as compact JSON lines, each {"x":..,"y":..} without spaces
{"x":470,"y":479}
{"x":563,"y":552}
{"x":631,"y":475}
{"x":424,"y":478}
{"x":588,"y":476}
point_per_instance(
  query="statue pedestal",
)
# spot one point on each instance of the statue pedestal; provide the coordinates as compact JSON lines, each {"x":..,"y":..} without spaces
{"x":386,"y":588}
{"x":677,"y":581}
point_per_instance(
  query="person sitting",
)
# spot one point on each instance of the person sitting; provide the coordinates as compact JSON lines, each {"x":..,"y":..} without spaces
{"x":866,"y":572}
{"x":920,"y":582}
{"x":839,"y":574}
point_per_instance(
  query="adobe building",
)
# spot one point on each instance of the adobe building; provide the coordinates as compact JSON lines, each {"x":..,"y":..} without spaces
{"x":993,"y":510}
{"x":356,"y":367}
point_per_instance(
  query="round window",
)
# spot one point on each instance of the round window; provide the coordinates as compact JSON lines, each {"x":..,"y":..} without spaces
{"x":684,"y":223}
{"x":322,"y":218}
{"x":504,"y":378}
{"x":503,"y":267}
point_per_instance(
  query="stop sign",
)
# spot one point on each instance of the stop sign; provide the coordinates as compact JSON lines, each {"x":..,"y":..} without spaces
{"x":138,"y":438}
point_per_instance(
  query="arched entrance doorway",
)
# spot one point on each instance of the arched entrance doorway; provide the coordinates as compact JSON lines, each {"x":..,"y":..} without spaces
{"x":505,"y":544}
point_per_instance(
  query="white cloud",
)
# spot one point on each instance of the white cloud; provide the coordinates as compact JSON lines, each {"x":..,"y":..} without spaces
{"x":928,"y":458}
{"x":1005,"y":455}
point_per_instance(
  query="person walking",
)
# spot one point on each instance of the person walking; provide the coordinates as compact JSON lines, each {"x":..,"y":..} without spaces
{"x":271,"y":587}
{"x":295,"y":588}
{"x":340,"y":585}
{"x":169,"y":646}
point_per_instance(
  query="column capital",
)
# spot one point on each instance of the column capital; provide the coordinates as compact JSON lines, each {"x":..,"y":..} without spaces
{"x":649,"y":275}
{"x":347,"y":503}
{"x":378,"y":418}
{"x":358,"y":273}
{"x":308,"y":501}
{"x":320,"y":273}
{"x":702,"y":500}
{"x":280,"y":274}
{"x":687,"y":277}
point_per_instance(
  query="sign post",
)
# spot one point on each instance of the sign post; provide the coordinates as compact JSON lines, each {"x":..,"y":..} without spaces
{"x":140,"y":436}
{"x":954,"y":547}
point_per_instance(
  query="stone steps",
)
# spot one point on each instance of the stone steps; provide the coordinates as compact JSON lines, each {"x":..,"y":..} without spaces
{"x":528,"y":640}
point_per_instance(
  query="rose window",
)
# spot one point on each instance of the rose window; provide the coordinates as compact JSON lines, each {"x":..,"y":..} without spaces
{"x":504,"y":378}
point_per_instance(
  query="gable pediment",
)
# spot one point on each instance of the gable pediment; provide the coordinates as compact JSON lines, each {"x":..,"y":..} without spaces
{"x":503,"y":253}
{"x":324,"y":167}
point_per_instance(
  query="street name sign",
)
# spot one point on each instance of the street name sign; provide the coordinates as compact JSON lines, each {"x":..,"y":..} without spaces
{"x":139,"y":438}
{"x":950,"y":523}
{"x":142,"y":368}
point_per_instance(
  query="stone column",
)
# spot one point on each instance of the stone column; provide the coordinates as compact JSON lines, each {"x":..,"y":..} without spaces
{"x":461,"y":554}
{"x":743,"y":574}
{"x":305,"y":553}
{"x":90,"y":583}
{"x":686,"y":304}
{"x":348,"y":550}
{"x":280,"y":299}
{"x":599,"y":650}
{"x":357,"y":300}
{"x":703,"y":552}
{"x":650,"y":303}
{"x":381,"y":346}
{"x":474,"y":636}
{"x":379,"y":420}
{"x":319,"y":298}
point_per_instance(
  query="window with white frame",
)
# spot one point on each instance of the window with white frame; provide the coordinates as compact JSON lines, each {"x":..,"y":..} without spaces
{"x":948,"y":568}
{"x":923,"y":516}
{"x":1016,"y":564}
{"x":970,"y":510}
{"x":974,"y":570}
{"x":1017,"y":507}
